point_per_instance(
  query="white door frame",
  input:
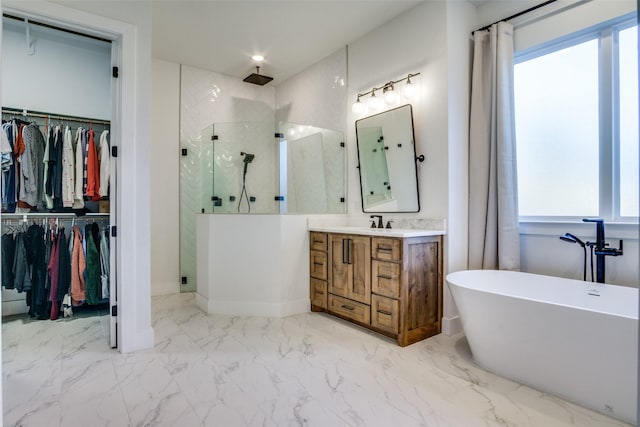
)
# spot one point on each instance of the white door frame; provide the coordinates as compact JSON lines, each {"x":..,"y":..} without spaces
{"x":128,"y":120}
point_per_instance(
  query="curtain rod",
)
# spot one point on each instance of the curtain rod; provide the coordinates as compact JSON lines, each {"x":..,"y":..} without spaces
{"x":53,"y":27}
{"x":531,"y":9}
{"x":27,"y":113}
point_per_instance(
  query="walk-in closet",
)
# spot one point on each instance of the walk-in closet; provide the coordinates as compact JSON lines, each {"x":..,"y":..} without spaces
{"x":58,"y":179}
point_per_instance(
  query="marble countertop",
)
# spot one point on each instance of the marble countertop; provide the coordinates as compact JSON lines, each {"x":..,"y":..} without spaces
{"x":383,"y":232}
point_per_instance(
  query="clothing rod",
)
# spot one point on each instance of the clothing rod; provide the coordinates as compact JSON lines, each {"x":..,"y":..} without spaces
{"x":28,"y":113}
{"x":531,"y":9}
{"x":53,"y":27}
{"x":51,"y":214}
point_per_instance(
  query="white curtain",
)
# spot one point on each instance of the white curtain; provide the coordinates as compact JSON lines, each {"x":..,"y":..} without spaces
{"x":494,"y":239}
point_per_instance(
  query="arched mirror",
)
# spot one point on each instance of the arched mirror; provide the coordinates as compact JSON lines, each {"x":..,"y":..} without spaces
{"x":387,"y":162}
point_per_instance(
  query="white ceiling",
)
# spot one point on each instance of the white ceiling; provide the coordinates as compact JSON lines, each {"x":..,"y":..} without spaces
{"x":221,"y":36}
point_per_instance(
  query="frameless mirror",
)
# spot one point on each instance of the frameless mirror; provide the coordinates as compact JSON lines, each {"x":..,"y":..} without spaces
{"x":387,"y":162}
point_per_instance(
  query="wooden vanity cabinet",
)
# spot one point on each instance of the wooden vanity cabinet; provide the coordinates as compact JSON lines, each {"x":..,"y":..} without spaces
{"x":390,"y":285}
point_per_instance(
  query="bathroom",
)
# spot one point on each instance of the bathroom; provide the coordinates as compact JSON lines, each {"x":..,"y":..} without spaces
{"x":435,"y":41}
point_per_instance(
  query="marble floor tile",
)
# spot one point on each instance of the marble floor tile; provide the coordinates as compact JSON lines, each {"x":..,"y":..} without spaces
{"x":214,"y":370}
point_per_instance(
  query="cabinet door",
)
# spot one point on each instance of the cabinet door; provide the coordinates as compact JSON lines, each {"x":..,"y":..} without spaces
{"x":359,"y":259}
{"x":423,"y":296}
{"x":340,"y":273}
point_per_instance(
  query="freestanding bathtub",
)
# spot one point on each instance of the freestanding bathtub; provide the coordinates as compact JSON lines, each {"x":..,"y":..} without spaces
{"x":577,"y":340}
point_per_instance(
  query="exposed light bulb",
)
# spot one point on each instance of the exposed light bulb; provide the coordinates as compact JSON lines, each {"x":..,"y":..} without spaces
{"x":409,"y":90}
{"x":358,"y":107}
{"x":390,"y":96}
{"x":374,"y":102}
{"x":258,"y":58}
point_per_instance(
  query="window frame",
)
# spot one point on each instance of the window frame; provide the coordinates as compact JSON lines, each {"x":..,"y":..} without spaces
{"x":607,"y":34}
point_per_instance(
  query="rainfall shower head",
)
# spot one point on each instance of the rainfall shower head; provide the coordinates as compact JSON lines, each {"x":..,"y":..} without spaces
{"x":257,"y":78}
{"x":248,"y":158}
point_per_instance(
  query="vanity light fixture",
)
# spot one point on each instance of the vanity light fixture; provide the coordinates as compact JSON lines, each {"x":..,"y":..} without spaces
{"x":358,"y":107}
{"x":390,"y":95}
{"x":374,"y":102}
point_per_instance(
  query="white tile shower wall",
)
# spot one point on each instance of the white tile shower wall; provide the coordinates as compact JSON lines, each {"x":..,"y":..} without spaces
{"x":317,"y":95}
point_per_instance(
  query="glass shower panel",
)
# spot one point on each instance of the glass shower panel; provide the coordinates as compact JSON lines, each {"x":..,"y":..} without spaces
{"x":244,"y":183}
{"x":192,"y":165}
{"x":314,"y":172}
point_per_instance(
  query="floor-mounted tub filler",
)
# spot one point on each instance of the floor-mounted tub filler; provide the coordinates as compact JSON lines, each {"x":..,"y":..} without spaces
{"x":577,"y":340}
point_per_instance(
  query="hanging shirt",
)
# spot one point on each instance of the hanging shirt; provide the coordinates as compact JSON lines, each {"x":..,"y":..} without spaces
{"x":54,"y":276}
{"x":32,"y":166}
{"x":104,"y":264}
{"x":47,"y":187}
{"x":68,"y":169}
{"x":94,"y":285}
{"x":78,"y":267}
{"x":78,"y":200}
{"x":9,"y":177}
{"x":104,"y":158}
{"x":57,"y":169}
{"x":93,"y":170}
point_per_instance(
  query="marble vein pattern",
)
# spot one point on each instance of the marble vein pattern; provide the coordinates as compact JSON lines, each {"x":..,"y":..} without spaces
{"x":215,"y":370}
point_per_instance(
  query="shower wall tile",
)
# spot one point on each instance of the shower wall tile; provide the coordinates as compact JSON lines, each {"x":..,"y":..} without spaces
{"x":317,"y":95}
{"x":207,"y":97}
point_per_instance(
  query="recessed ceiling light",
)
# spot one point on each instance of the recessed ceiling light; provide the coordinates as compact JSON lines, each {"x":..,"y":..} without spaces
{"x":258,"y":58}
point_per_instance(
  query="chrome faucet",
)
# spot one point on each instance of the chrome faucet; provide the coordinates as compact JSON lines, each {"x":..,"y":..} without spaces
{"x":380,"y":222}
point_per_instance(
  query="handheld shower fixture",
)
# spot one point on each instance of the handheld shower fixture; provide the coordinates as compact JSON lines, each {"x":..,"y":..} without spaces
{"x":248,"y":158}
{"x":568,"y":237}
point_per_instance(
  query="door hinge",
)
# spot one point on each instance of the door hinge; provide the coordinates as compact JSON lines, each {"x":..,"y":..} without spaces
{"x":114,"y":231}
{"x":115,"y":72}
{"x":114,"y":151}
{"x":114,"y":310}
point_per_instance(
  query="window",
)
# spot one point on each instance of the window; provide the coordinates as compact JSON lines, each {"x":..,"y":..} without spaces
{"x":576,"y":118}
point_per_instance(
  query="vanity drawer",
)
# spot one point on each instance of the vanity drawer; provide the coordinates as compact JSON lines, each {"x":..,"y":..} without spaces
{"x":319,"y":293}
{"x":318,"y":241}
{"x":350,"y":309}
{"x":386,"y":249}
{"x":385,"y":278}
{"x":318,"y":265}
{"x":384,"y":313}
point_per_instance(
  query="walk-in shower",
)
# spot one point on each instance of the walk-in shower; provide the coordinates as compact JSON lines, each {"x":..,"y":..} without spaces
{"x":257,"y":168}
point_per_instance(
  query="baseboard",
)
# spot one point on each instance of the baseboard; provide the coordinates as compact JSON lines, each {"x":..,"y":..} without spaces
{"x":145,"y":339}
{"x":249,"y":308}
{"x":164,"y":288}
{"x":202,"y":303}
{"x":290,"y":308}
{"x":451,"y":325}
{"x":10,"y":308}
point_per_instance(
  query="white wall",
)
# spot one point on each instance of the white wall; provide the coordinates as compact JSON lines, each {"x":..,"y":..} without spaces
{"x":165,"y":188}
{"x":270,"y":278}
{"x":413,"y":42}
{"x":74,"y":72}
{"x":461,"y":19}
{"x":317,"y":95}
{"x":431,"y":39}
